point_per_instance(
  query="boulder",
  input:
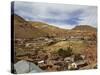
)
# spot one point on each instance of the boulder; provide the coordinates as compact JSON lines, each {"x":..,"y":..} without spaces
{"x":26,"y":67}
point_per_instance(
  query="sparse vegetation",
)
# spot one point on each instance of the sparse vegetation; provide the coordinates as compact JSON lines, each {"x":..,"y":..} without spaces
{"x":52,"y":48}
{"x":65,"y":52}
{"x":77,"y":57}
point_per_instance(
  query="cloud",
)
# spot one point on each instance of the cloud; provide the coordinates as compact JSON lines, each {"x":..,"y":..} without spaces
{"x":90,"y":16}
{"x":61,"y":15}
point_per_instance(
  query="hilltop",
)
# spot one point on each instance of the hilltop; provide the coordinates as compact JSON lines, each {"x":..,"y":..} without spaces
{"x":84,"y":28}
{"x":31,"y":29}
{"x":23,"y":29}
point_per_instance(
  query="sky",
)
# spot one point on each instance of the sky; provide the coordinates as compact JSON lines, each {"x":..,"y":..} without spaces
{"x":65,"y":16}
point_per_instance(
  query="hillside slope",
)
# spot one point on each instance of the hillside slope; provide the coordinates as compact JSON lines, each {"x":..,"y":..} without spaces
{"x":84,"y":28}
{"x":23,"y":29}
{"x":29,"y":29}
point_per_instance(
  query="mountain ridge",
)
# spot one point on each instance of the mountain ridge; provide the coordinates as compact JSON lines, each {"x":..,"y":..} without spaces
{"x":32,"y":29}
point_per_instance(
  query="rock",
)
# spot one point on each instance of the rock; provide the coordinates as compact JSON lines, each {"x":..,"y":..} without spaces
{"x":26,"y":67}
{"x":72,"y":66}
{"x":42,"y":61}
{"x":69,"y":59}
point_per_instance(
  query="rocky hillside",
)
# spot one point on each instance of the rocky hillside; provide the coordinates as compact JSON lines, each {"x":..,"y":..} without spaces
{"x":84,"y":28}
{"x":38,"y":41}
{"x":23,"y":29}
{"x":50,"y":30}
{"x":28,"y":29}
